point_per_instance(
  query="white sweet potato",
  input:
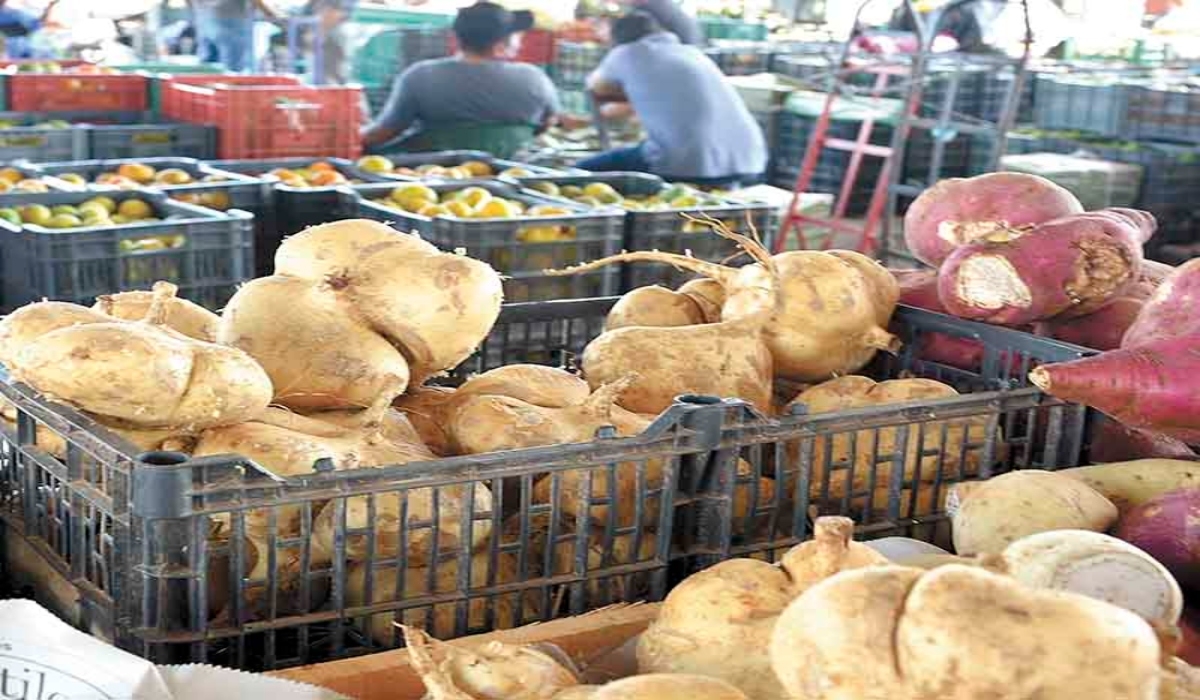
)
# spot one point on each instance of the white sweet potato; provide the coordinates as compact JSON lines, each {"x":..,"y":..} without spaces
{"x":1130,"y":484}
{"x":1099,"y":566}
{"x":1017,"y":504}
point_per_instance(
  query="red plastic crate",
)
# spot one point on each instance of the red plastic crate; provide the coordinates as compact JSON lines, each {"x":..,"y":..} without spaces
{"x":537,"y":46}
{"x":197,"y":106}
{"x":273,"y":121}
{"x":76,"y":92}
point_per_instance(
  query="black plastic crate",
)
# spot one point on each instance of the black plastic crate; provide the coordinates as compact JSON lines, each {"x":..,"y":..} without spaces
{"x":206,"y":253}
{"x":294,"y":208}
{"x":919,"y":162}
{"x":522,"y":249}
{"x":813,"y":70}
{"x":668,"y":229}
{"x":741,"y":57}
{"x":26,"y":141}
{"x":133,"y":536}
{"x":1167,"y":113}
{"x":795,"y":130}
{"x":1171,"y":171}
{"x":574,"y":61}
{"x":1097,"y":104}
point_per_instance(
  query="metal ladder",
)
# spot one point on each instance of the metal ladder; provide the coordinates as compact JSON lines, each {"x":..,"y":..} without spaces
{"x":909,"y":76}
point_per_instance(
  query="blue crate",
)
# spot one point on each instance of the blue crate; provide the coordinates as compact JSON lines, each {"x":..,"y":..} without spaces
{"x":1166,"y":113}
{"x":206,"y":253}
{"x":147,"y":137}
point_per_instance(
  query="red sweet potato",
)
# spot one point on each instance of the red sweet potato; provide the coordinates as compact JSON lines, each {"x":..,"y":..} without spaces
{"x":1067,"y":267}
{"x":1113,"y":441}
{"x":1102,"y":330}
{"x":957,"y":211}
{"x":1173,"y":310}
{"x":1150,"y":386}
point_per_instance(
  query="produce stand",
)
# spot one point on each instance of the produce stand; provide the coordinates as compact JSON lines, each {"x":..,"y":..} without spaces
{"x":115,"y":499}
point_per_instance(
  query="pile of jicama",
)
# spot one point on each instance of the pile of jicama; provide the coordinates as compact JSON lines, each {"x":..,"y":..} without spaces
{"x":332,"y":360}
{"x":838,"y":620}
{"x":1017,"y":250}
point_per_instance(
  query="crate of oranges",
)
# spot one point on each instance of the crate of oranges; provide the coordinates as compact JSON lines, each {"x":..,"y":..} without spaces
{"x":520,"y":234}
{"x":304,"y":193}
{"x":73,"y":246}
{"x":449,"y":165}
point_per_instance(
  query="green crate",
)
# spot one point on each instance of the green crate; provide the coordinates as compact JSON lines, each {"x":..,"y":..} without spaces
{"x":726,"y":28}
{"x":383,"y":15}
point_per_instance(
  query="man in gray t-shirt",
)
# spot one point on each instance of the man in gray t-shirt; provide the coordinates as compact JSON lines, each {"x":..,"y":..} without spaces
{"x":475,"y":87}
{"x":697,"y":126}
{"x":671,"y":17}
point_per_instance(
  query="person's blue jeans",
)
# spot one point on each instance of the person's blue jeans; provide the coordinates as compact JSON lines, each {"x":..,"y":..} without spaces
{"x":633,"y":160}
{"x":228,"y":41}
{"x":617,"y":160}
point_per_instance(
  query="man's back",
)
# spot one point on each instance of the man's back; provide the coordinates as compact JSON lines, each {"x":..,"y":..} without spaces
{"x":697,"y":124}
{"x":452,"y":90}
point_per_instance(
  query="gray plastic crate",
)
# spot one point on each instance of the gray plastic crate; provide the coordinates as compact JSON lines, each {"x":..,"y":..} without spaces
{"x":206,"y":253}
{"x":126,"y":536}
{"x":152,"y":138}
{"x":503,"y":243}
{"x":35,"y":143}
{"x":669,"y":229}
{"x":294,"y":208}
{"x":233,"y":191}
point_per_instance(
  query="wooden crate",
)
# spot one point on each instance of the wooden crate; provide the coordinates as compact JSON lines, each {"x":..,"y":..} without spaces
{"x":600,"y":644}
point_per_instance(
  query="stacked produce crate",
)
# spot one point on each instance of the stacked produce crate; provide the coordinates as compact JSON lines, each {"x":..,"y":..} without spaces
{"x":574,"y":62}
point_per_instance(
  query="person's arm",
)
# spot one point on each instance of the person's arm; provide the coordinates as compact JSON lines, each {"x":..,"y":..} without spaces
{"x":397,"y":115}
{"x":604,"y":83}
{"x":552,"y":106}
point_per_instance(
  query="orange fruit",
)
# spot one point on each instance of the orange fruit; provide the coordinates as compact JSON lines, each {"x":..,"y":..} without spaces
{"x":322,"y":165}
{"x":324,"y":178}
{"x":138,"y":172}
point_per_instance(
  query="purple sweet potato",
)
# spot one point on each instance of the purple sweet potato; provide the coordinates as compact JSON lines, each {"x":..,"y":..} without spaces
{"x":1067,"y":267}
{"x":1150,"y":386}
{"x":957,"y":211}
{"x":1113,"y":441}
{"x":1102,"y":330}
{"x":1167,"y":528}
{"x":1173,"y":310}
